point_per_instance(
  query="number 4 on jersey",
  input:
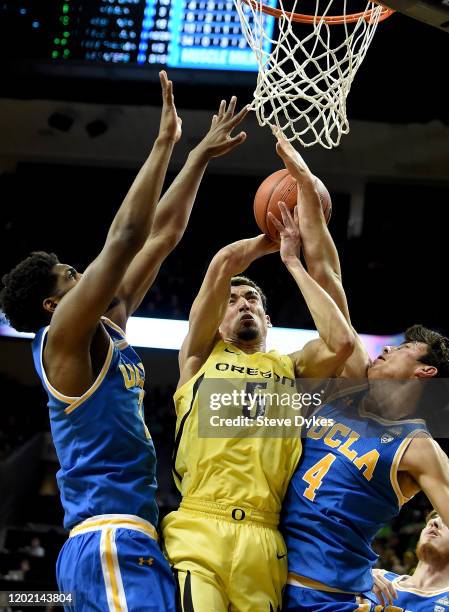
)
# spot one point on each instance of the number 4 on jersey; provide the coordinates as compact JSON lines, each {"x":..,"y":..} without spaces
{"x":315,"y":475}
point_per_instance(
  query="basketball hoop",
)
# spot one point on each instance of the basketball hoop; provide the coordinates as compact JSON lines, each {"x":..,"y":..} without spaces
{"x":305,"y":75}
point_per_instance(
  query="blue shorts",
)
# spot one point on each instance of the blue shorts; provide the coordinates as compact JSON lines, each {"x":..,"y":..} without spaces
{"x":113,"y":563}
{"x":302,"y":599}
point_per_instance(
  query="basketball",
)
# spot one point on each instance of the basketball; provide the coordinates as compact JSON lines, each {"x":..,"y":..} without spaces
{"x":282,"y":187}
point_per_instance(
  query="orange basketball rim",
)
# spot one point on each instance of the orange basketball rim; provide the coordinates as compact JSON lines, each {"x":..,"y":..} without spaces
{"x":329,"y":19}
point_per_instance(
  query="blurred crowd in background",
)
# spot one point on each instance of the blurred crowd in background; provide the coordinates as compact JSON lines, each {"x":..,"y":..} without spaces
{"x":390,"y":273}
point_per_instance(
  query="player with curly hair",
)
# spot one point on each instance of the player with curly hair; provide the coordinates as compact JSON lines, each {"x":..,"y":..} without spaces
{"x":95,"y":380}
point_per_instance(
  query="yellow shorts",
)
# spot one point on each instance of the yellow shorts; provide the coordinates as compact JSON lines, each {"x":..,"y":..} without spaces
{"x":226,"y":558}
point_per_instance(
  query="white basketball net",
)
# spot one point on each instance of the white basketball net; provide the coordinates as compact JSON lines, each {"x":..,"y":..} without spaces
{"x":303,"y":83}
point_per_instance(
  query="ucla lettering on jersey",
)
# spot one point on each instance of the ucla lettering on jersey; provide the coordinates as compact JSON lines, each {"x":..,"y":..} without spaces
{"x":410,"y":599}
{"x":344,"y":490}
{"x":107,"y":457}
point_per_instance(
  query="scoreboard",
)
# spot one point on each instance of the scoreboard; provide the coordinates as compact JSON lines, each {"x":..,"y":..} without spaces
{"x":190,"y":34}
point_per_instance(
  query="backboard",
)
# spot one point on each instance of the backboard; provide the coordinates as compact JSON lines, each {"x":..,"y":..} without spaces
{"x":432,"y":12}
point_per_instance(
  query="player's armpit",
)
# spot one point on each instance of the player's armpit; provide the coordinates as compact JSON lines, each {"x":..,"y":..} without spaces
{"x":426,"y":462}
{"x":118,"y":313}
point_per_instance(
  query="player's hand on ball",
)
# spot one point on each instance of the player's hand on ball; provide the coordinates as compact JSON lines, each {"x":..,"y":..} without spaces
{"x":219,"y":140}
{"x":289,"y":236}
{"x":383,"y":589}
{"x":170,"y":126}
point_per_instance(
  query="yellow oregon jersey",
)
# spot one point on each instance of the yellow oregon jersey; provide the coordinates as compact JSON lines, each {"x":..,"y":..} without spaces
{"x":249,"y":471}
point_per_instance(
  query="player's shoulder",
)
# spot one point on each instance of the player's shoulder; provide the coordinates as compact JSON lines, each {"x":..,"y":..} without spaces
{"x":422,"y":450}
{"x":391,"y":576}
{"x":286,"y":361}
{"x":194,"y":366}
{"x":39,"y":338}
{"x":278,"y":355}
{"x":422,"y":444}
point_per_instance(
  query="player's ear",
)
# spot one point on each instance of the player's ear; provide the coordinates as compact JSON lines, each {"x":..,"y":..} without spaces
{"x":50,"y":304}
{"x":426,"y":371}
{"x":269,"y":323}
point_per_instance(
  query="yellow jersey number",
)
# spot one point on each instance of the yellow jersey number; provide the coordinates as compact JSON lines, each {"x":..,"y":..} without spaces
{"x":314,"y":476}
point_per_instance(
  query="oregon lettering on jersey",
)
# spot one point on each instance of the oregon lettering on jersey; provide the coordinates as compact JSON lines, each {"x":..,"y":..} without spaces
{"x":107,"y":457}
{"x":250,"y":472}
{"x":232,"y":367}
{"x":344,"y":490}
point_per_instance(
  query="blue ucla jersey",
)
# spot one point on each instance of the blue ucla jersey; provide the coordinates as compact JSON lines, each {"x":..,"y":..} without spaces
{"x":343,"y":491}
{"x":107,"y":457}
{"x":410,"y":599}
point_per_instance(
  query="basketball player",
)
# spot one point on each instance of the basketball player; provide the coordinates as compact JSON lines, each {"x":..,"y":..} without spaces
{"x":428,"y":589}
{"x":223,"y":541}
{"x":355,"y":475}
{"x":95,"y":380}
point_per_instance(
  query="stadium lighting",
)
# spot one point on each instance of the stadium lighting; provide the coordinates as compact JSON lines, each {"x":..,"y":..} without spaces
{"x":169,"y":333}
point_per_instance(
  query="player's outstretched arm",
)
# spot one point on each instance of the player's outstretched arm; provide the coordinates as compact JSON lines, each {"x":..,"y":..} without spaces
{"x":319,"y":249}
{"x":428,"y":465}
{"x":173,"y":211}
{"x":210,"y":304}
{"x":324,"y":357}
{"x":77,"y":313}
